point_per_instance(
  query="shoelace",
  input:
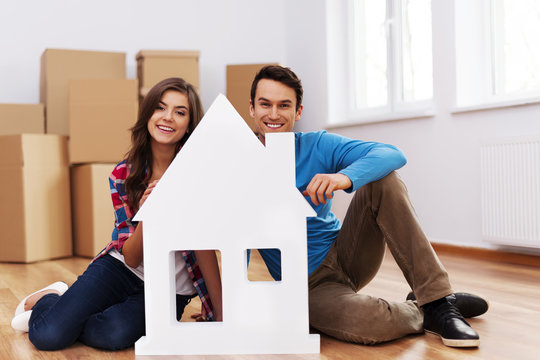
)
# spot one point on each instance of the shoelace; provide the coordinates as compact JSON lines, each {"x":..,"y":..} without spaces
{"x":446,"y":311}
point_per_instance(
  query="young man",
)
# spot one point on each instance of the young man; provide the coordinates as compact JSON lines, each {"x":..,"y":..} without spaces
{"x":344,"y":258}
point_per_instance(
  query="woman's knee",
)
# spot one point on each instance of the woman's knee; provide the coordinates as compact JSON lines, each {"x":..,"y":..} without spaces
{"x":115,"y":339}
{"x":112,"y":332}
{"x":52,"y":337}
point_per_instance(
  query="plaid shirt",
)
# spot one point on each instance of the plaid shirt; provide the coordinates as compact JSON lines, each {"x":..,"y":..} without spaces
{"x":124,"y":227}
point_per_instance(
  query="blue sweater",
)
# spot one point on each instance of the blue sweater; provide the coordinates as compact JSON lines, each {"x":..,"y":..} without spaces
{"x":323,"y":153}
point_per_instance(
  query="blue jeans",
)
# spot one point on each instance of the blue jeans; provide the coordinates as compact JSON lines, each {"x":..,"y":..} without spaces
{"x":104,"y":309}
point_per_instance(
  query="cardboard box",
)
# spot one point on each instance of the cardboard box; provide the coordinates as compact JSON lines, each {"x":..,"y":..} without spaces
{"x":35,"y":214}
{"x":156,"y":65}
{"x":22,"y":119}
{"x":93,"y":212}
{"x":58,"y":66}
{"x":239,"y":79}
{"x":101,"y":112}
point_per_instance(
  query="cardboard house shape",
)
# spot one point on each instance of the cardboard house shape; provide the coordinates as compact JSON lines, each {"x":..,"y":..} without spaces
{"x":226,"y":191}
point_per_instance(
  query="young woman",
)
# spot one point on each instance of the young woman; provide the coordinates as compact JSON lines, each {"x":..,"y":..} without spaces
{"x":104,"y":308}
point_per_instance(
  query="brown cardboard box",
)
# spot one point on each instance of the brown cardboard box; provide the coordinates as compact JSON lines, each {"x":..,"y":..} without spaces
{"x":58,"y":66}
{"x":156,"y":65}
{"x":93,"y":213}
{"x":239,"y":79}
{"x":35,"y":214}
{"x":101,"y":112}
{"x":22,"y":119}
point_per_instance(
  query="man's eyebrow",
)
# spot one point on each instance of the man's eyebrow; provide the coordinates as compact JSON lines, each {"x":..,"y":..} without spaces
{"x":280,"y":101}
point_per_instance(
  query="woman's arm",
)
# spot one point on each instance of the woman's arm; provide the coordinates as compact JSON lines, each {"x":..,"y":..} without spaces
{"x":208,"y":265}
{"x":133,"y":247}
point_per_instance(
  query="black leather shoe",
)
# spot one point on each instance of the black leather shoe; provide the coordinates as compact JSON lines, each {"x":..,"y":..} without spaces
{"x":442,"y":318}
{"x":469,"y":305}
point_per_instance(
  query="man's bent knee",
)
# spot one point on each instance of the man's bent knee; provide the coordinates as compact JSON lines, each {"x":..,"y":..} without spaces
{"x":391,"y":181}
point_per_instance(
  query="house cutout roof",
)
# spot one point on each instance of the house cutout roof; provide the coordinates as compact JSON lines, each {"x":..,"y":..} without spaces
{"x":225,"y":190}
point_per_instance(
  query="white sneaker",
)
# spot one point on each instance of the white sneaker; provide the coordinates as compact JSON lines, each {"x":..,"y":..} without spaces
{"x":21,"y":317}
{"x":20,"y":322}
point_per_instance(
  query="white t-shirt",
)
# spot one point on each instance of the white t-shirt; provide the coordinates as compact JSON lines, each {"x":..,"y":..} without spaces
{"x":184,"y":285}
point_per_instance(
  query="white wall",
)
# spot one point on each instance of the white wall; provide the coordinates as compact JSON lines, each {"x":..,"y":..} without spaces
{"x":306,"y":56}
{"x":225,"y":32}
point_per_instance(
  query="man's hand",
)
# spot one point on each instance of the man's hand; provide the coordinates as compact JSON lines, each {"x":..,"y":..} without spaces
{"x":322,"y":186}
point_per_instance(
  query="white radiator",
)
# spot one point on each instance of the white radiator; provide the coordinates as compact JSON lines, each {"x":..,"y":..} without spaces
{"x":510,"y":182}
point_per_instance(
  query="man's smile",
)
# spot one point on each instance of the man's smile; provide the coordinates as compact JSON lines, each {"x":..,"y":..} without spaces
{"x":273,"y":125}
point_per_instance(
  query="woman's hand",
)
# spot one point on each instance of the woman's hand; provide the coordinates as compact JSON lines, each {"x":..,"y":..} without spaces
{"x":147,"y":192}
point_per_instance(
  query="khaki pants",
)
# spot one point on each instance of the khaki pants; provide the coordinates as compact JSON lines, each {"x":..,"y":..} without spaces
{"x":380,"y":213}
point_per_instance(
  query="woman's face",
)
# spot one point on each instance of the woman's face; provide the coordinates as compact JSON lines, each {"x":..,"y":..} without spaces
{"x":170,"y":120}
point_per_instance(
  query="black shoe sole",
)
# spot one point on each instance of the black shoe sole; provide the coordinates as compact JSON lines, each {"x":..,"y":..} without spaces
{"x":457,"y":342}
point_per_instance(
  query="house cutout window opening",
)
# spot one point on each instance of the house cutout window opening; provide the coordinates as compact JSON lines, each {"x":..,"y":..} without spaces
{"x":184,"y":296}
{"x":257,"y":260}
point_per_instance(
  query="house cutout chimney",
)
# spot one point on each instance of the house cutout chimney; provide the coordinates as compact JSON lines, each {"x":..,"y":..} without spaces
{"x":225,"y":190}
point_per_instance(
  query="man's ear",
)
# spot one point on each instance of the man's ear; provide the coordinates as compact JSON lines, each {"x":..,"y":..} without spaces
{"x":299,"y":113}
{"x":251,"y":110}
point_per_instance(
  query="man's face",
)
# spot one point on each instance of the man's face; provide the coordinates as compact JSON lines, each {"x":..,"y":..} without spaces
{"x":274,"y":109}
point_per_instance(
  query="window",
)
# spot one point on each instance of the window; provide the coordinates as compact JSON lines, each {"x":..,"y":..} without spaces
{"x":516,"y":53}
{"x":259,"y":271}
{"x":389,"y":59}
{"x":182,"y":284}
{"x":497,"y":51}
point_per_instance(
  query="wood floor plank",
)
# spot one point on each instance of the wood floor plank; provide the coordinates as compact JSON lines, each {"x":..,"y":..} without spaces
{"x":510,"y":330}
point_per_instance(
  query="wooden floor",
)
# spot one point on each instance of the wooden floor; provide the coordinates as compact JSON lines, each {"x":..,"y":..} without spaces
{"x":510,"y":330}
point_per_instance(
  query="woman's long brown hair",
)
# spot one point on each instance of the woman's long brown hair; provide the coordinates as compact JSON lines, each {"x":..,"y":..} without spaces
{"x":139,"y":157}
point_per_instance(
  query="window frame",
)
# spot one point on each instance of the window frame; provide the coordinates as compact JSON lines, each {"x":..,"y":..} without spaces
{"x":480,"y":92}
{"x":341,"y":70}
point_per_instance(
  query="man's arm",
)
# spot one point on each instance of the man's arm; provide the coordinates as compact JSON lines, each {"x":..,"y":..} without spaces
{"x":350,"y":165}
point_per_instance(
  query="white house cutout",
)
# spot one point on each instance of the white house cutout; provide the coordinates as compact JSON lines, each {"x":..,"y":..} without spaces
{"x":226,"y":191}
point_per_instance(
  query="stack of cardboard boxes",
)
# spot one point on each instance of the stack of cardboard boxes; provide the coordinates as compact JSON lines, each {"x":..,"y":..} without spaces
{"x":36,"y":211}
{"x":34,"y":190}
{"x":34,"y":187}
{"x":101,"y":112}
{"x":95,"y":106}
